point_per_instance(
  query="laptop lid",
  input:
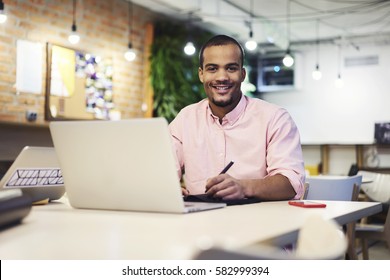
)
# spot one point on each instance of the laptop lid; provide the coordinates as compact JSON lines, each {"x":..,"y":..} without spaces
{"x":120,"y":165}
{"x":36,"y":171}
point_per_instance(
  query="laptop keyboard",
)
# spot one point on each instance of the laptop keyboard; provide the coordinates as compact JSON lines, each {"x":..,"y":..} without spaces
{"x":33,"y":177}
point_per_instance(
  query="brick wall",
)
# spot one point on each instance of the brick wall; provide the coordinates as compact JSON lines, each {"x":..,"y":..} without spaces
{"x":103,"y":27}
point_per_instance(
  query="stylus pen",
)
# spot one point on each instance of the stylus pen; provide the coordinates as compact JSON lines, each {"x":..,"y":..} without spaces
{"x":227,"y":167}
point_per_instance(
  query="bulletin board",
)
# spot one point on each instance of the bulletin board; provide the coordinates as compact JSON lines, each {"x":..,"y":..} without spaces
{"x":78,"y":85}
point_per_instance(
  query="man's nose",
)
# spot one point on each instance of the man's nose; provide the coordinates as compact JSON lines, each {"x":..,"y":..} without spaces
{"x":222,"y":75}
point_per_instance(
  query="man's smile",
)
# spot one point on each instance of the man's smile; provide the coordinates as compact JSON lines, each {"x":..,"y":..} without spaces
{"x":222,"y":88}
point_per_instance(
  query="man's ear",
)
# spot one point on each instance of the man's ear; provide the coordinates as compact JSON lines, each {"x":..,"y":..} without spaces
{"x":200,"y":74}
{"x":243,"y":74}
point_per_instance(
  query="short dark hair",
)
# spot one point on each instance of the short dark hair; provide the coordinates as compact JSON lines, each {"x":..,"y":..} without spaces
{"x":220,"y":40}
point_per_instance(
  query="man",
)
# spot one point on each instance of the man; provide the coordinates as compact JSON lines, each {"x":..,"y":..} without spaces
{"x":261,"y":138}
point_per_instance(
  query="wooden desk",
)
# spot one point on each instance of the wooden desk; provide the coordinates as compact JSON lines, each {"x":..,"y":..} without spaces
{"x":57,"y":231}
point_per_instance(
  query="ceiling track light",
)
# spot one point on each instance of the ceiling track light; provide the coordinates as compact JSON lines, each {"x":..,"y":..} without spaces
{"x":74,"y":38}
{"x":316,"y":74}
{"x":251,"y":44}
{"x":3,"y":15}
{"x":288,"y":60}
{"x":339,"y":83}
{"x":130,"y":54}
{"x":189,"y":48}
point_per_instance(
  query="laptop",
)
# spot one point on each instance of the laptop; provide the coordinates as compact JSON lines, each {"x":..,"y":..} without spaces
{"x":36,"y":171}
{"x":121,"y":165}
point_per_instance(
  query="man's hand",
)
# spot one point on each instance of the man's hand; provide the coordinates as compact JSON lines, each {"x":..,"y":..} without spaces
{"x":184,"y":191}
{"x":224,"y":186}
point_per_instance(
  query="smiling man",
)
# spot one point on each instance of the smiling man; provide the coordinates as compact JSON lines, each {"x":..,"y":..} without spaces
{"x":261,"y":138}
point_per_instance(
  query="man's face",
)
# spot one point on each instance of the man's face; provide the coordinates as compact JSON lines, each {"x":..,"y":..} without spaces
{"x":222,"y":75}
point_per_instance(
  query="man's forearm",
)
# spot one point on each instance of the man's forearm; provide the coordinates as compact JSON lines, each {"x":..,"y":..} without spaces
{"x":276,"y":187}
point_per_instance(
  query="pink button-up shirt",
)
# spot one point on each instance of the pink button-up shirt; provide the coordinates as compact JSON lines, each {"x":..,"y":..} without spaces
{"x":261,"y":138}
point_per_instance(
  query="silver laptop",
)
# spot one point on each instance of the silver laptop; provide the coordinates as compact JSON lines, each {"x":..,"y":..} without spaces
{"x":121,"y":165}
{"x":36,"y":172}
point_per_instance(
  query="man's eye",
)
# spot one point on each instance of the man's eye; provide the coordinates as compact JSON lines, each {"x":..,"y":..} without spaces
{"x":232,"y":68}
{"x":211,"y":69}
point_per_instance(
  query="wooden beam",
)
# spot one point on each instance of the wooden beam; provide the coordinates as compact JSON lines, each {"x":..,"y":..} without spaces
{"x":325,"y":159}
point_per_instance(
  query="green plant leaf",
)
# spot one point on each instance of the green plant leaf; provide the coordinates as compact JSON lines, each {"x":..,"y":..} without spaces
{"x":174,"y":75}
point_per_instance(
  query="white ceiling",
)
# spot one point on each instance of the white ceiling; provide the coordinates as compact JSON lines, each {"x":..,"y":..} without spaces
{"x":352,"y":22}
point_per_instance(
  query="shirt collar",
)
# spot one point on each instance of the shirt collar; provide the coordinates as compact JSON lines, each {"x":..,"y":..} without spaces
{"x":234,"y":115}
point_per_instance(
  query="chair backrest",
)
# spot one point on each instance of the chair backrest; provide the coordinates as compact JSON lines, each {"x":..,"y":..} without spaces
{"x":377,"y":187}
{"x":343,"y":188}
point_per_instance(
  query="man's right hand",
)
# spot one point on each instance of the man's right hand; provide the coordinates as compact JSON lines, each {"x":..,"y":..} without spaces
{"x":184,"y":191}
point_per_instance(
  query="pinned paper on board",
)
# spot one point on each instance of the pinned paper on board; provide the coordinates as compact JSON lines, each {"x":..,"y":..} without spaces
{"x":63,"y":66}
{"x":29,"y":61}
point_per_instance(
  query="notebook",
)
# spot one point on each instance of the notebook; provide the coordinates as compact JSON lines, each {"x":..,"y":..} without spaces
{"x":121,"y":165}
{"x":37,"y":173}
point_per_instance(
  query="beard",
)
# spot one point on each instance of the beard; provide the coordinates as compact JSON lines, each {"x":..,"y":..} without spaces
{"x":222,"y":103}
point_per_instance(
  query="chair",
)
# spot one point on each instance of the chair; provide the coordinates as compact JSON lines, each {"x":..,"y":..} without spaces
{"x":341,"y":188}
{"x":366,"y":232}
{"x":377,"y":189}
{"x":377,"y":186}
{"x":318,"y":239}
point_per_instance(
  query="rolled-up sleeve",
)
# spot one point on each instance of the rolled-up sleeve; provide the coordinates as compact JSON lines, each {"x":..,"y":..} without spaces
{"x":284,"y":151}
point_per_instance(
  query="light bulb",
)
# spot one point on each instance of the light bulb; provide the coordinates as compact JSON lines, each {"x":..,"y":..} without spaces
{"x":251,"y":45}
{"x":189,"y":48}
{"x":130,"y":54}
{"x":74,"y":38}
{"x":339,"y":83}
{"x":317,"y":75}
{"x":3,"y":17}
{"x":288,"y":60}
